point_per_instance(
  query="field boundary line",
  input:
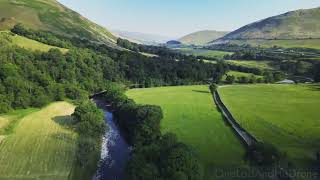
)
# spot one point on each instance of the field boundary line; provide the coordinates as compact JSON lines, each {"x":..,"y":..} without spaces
{"x":245,"y":137}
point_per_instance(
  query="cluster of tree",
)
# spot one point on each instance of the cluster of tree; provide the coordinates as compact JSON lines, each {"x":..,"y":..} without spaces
{"x":268,"y":77}
{"x":298,"y":68}
{"x":128,"y":45}
{"x":317,"y":72}
{"x":33,"y":78}
{"x":155,"y":156}
{"x":253,"y":70}
{"x":90,"y":125}
{"x":41,"y":36}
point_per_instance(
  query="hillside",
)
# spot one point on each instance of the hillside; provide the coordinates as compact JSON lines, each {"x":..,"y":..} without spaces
{"x":202,"y":37}
{"x":9,"y":38}
{"x":50,"y":15}
{"x":300,"y":24}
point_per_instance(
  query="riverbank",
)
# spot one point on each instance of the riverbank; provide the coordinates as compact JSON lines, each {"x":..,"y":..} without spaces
{"x":115,"y":151}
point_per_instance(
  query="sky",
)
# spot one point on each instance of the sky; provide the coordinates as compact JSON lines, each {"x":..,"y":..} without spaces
{"x":175,"y":18}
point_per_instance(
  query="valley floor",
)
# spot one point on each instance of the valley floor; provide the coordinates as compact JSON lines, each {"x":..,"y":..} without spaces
{"x":35,"y":144}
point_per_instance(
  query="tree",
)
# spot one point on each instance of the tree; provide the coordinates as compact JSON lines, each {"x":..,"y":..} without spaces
{"x":213,"y":88}
{"x":179,"y":176}
{"x":317,"y":72}
{"x":148,"y":118}
{"x":182,"y":158}
{"x":230,"y":79}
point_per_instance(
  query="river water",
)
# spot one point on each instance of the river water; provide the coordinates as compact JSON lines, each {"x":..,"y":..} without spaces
{"x":115,"y":150}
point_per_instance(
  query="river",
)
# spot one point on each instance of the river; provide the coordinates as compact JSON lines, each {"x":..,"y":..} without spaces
{"x":115,"y":151}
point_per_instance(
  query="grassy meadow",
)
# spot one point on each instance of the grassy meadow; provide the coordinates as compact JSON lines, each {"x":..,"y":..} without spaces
{"x":204,"y":52}
{"x":189,"y":112}
{"x":26,"y":43}
{"x":238,"y":74}
{"x":251,"y":64}
{"x":284,"y":115}
{"x":38,"y":145}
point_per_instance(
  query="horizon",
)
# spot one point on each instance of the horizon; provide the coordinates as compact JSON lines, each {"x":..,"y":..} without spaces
{"x":148,"y":17}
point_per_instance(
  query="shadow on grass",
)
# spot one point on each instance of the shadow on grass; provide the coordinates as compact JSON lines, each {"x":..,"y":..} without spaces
{"x":63,"y":137}
{"x":65,"y":121}
{"x":198,"y":91}
{"x":314,"y":87}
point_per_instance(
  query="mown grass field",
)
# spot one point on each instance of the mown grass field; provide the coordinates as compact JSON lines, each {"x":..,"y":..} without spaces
{"x":204,"y":52}
{"x":39,"y":146}
{"x":284,"y":115}
{"x":189,"y":112}
{"x":26,"y":43}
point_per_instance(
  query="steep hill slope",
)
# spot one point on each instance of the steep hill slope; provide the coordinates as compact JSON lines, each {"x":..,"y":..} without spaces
{"x":9,"y":38}
{"x":300,"y":24}
{"x":50,"y":15}
{"x":202,"y":37}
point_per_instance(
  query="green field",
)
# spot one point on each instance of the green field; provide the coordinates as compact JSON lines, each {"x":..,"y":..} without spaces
{"x":148,"y":54}
{"x":10,"y":38}
{"x":38,"y":145}
{"x":284,"y":115}
{"x":190,"y":112}
{"x":297,"y":43}
{"x":251,"y":64}
{"x":238,"y":74}
{"x":204,"y":52}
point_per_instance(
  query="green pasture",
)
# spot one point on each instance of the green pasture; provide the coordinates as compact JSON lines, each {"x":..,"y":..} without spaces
{"x":286,"y":116}
{"x":204,"y":52}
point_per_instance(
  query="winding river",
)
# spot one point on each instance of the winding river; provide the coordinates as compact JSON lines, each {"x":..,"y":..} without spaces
{"x":115,"y":150}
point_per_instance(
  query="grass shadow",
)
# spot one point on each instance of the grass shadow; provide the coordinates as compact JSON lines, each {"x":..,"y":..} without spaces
{"x":65,"y":121}
{"x":314,"y":87}
{"x":63,"y":137}
{"x":199,"y":91}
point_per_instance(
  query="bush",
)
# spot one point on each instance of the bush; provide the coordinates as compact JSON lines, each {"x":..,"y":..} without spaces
{"x":91,"y":124}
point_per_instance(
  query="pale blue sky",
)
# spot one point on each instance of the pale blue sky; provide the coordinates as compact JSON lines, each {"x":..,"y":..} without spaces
{"x":175,"y":18}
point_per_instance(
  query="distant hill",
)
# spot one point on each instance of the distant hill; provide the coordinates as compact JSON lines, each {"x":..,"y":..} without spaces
{"x":202,"y":37}
{"x":142,"y":38}
{"x":50,"y":15}
{"x":300,"y":24}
